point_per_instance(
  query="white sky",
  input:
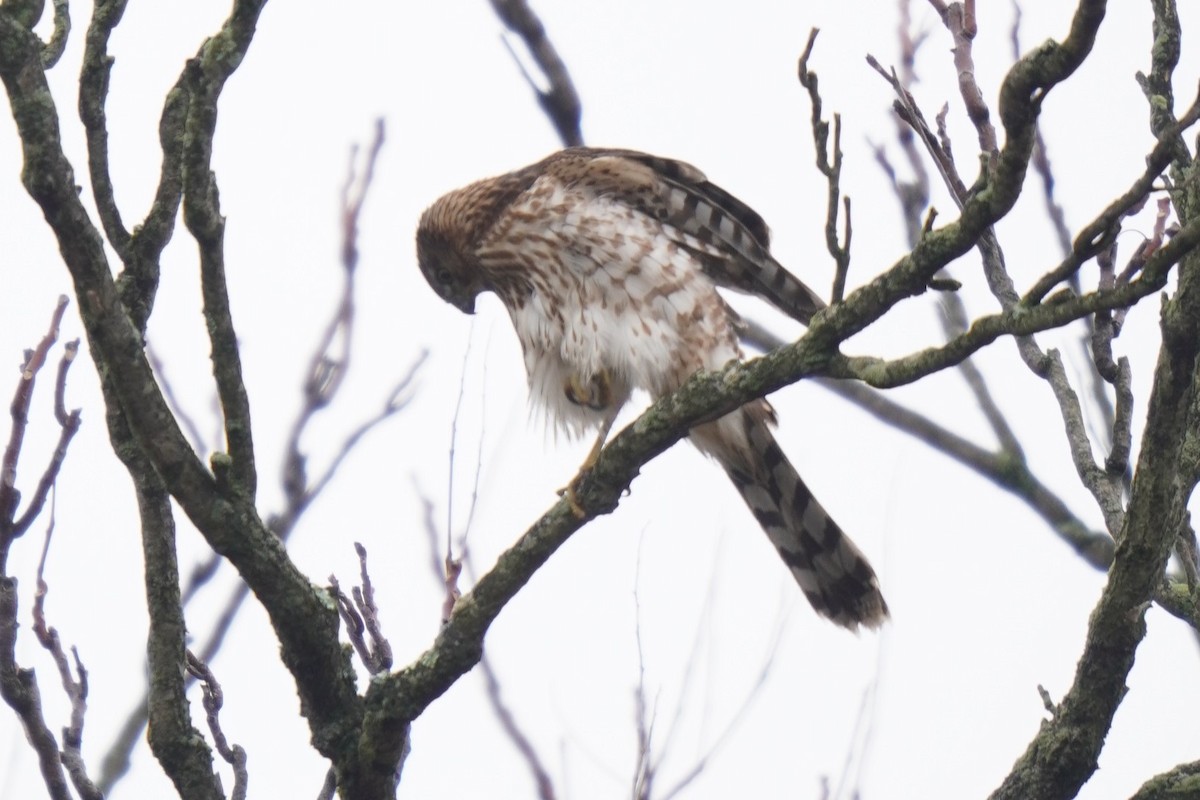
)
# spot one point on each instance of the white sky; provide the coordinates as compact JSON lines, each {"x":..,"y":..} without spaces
{"x":987,"y":603}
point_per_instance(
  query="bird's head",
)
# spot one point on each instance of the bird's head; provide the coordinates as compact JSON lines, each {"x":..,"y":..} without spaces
{"x":447,"y":264}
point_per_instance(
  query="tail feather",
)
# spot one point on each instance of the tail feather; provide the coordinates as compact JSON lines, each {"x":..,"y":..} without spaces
{"x":833,"y":574}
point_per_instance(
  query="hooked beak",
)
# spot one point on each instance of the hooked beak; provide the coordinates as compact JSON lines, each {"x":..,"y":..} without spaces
{"x":466,"y":304}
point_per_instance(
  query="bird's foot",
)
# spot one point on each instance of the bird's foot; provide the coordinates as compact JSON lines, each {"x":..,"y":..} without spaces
{"x":595,"y":393}
{"x":605,"y":396}
{"x":585,"y":469}
{"x":571,"y":496}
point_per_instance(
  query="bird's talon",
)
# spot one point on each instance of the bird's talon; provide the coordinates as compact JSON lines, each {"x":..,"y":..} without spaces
{"x":572,"y":498}
{"x":573,"y":502}
{"x":596,"y":393}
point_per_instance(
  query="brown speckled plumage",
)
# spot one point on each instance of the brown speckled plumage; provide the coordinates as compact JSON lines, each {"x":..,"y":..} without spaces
{"x":608,"y":263}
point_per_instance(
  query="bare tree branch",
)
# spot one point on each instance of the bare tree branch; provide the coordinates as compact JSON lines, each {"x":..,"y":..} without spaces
{"x":19,"y":686}
{"x":11,"y":526}
{"x":68,"y":423}
{"x":365,"y":737}
{"x":560,"y":101}
{"x":959,"y":19}
{"x":1176,"y":783}
{"x":139,"y":251}
{"x":205,"y":77}
{"x":1064,"y":753}
{"x":362,"y":617}
{"x":954,"y":318}
{"x":447,"y":570}
{"x":1003,"y":469}
{"x":831,"y":168}
{"x":75,"y":688}
{"x":514,"y":732}
{"x":214,"y":698}
{"x":328,"y":365}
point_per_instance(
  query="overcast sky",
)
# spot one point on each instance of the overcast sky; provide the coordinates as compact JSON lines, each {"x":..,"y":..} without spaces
{"x":987,"y":603}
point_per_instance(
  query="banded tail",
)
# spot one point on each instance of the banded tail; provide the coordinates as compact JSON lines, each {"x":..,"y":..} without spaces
{"x":833,"y":574}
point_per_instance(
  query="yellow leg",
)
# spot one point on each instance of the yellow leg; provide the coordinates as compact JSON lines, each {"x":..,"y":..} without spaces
{"x":601,"y":437}
{"x":589,"y":462}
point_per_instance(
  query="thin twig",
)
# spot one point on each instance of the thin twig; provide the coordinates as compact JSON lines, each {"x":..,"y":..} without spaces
{"x":19,"y":411}
{"x":767,"y":663}
{"x":75,"y":688}
{"x":453,"y":450}
{"x":20,"y":691}
{"x":362,"y":617}
{"x":514,"y":732}
{"x":831,"y":168}
{"x":214,"y":698}
{"x":18,"y":686}
{"x":911,"y":121}
{"x":959,"y":19}
{"x":69,"y":423}
{"x":447,"y":571}
{"x":645,"y":712}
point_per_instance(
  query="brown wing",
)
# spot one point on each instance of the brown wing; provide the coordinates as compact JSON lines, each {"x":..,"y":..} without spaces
{"x":678,"y":194}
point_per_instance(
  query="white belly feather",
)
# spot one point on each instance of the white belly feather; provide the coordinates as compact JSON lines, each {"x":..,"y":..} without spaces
{"x":624,"y":298}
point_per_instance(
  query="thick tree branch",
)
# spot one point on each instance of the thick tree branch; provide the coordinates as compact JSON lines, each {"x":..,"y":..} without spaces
{"x":205,"y":77}
{"x":1018,"y":321}
{"x":304,"y":617}
{"x":180,"y":748}
{"x":1064,"y":753}
{"x":1164,"y":57}
{"x":330,"y":362}
{"x":57,"y":45}
{"x":93,"y":94}
{"x":139,"y":251}
{"x":26,"y":13}
{"x":1176,"y":784}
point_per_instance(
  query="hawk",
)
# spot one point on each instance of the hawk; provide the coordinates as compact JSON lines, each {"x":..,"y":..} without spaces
{"x":608,"y":262}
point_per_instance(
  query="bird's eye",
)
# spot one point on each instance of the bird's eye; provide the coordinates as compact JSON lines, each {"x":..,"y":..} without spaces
{"x":443,"y":276}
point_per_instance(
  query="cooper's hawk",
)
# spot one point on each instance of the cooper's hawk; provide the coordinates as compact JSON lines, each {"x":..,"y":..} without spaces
{"x":608,"y":263}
